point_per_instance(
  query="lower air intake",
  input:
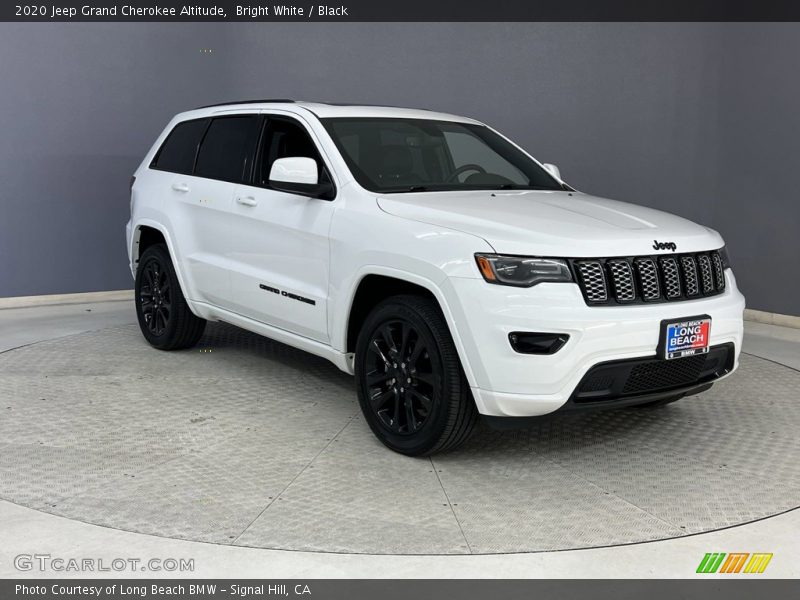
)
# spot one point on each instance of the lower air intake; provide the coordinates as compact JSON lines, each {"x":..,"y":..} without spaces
{"x":641,"y":376}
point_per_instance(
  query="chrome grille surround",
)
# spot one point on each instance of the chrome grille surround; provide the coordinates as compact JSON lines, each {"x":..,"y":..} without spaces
{"x":692,"y":288}
{"x":638,"y":279}
{"x":672,"y":278}
{"x":593,"y":281}
{"x":719,"y":271}
{"x":648,"y":279}
{"x":622,"y":280}
{"x":706,"y":275}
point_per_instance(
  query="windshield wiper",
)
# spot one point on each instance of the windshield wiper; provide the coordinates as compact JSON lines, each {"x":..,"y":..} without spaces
{"x":439,"y":188}
{"x":515,"y":186}
{"x":404,"y":190}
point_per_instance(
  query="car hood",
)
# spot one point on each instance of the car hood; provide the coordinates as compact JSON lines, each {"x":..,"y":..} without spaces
{"x":550,"y":223}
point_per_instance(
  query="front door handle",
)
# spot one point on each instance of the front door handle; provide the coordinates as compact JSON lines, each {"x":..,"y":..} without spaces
{"x":247,"y":201}
{"x":180,"y":187}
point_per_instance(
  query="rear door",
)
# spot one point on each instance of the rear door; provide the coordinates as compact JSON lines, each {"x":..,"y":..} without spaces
{"x":280,"y":251}
{"x":202,"y":200}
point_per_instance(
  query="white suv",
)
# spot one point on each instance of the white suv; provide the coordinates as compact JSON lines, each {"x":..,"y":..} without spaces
{"x":431,"y":257}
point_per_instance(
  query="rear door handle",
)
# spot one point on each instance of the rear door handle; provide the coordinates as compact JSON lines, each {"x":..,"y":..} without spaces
{"x":180,"y":187}
{"x":247,"y":201}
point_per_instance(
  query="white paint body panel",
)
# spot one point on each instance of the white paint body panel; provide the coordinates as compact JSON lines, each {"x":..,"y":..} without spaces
{"x":295,"y":169}
{"x":558,"y":224}
{"x":321,"y":250}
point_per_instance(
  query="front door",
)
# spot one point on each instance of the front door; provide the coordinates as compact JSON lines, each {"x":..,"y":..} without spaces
{"x":279,"y":251}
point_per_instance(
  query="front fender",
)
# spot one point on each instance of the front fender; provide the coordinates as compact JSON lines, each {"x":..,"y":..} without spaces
{"x":376,"y":243}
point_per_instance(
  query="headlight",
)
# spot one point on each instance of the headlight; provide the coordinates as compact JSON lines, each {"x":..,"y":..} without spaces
{"x":726,"y":260}
{"x":522,"y":271}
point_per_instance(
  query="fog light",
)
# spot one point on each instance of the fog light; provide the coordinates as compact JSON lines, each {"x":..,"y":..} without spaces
{"x":537,"y":343}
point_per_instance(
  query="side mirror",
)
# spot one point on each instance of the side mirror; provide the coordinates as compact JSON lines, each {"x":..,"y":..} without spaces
{"x":298,"y":175}
{"x":553,"y":170}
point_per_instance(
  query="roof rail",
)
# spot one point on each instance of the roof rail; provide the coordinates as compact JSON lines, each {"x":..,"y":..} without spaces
{"x":275,"y":100}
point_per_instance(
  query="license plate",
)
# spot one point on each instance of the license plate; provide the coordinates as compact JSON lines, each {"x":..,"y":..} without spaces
{"x":686,"y":337}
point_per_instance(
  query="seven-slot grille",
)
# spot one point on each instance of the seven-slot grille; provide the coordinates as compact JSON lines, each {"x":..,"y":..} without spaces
{"x":650,"y":278}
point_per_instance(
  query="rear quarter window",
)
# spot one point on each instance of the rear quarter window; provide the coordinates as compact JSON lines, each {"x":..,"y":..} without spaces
{"x":178,"y":151}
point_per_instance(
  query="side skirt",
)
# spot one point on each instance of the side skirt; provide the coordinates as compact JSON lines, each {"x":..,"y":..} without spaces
{"x":342,"y":360}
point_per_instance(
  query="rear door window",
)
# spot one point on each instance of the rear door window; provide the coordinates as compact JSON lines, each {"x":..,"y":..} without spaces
{"x":226,"y":152}
{"x":178,"y":152}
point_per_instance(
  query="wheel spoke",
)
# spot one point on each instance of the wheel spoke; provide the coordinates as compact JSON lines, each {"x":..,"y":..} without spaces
{"x":159,"y":318}
{"x":428,"y":378}
{"x":396,"y":417}
{"x":419,"y":347}
{"x":377,"y":350}
{"x":375,"y":378}
{"x":386,"y":334}
{"x":411,"y":419}
{"x":424,"y":400}
{"x":148,"y":277}
{"x":405,"y":332}
{"x":379,"y":399}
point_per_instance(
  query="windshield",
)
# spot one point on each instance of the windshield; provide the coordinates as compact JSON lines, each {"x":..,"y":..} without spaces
{"x":416,"y":155}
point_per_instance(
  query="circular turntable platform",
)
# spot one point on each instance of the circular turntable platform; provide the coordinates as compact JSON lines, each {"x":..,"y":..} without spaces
{"x":245,"y":441}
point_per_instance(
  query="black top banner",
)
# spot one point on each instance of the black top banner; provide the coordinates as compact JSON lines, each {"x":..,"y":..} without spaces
{"x":407,"y":10}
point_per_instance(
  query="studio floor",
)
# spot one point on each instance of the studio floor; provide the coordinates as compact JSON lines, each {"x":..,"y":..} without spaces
{"x":253,"y":457}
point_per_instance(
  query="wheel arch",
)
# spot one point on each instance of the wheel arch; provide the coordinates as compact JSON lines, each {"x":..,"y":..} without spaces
{"x":375,"y":285}
{"x":145,"y":233}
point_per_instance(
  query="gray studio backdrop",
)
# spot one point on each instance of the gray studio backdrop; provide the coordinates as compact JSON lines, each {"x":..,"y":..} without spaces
{"x":698,"y":119}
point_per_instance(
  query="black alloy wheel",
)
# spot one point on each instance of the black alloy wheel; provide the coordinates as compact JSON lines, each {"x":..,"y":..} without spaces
{"x":155,"y":296}
{"x":409,"y":379}
{"x":165,"y":318}
{"x":401,"y":378}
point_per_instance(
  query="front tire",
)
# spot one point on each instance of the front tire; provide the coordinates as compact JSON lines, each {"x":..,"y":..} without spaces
{"x":165,"y":319}
{"x":409,"y":379}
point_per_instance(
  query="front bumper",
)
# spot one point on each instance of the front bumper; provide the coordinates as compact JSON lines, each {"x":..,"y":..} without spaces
{"x":508,"y":384}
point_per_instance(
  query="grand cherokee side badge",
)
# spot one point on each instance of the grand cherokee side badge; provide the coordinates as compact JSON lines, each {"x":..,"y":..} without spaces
{"x":664,"y":245}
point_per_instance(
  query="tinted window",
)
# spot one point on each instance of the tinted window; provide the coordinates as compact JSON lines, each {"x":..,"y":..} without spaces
{"x":285,"y":138}
{"x":178,"y":151}
{"x":468,"y":149}
{"x":408,"y":155}
{"x":227,"y":148}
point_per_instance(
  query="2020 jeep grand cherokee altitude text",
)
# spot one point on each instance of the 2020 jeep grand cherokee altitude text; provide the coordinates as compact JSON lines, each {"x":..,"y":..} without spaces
{"x":429,"y":256}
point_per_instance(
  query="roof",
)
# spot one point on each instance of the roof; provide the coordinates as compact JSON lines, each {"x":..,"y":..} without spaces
{"x":325,"y":110}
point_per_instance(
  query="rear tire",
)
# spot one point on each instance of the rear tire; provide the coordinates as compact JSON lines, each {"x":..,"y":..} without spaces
{"x":165,"y":319}
{"x":409,"y":379}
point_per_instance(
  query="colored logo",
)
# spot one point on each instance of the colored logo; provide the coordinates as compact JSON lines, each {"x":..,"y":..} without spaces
{"x":735,"y":562}
{"x":687,"y":338}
